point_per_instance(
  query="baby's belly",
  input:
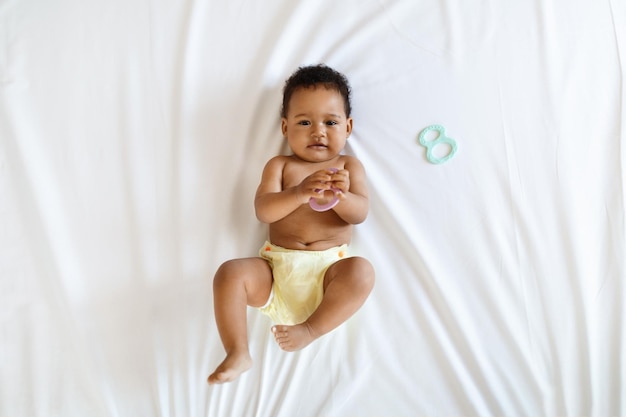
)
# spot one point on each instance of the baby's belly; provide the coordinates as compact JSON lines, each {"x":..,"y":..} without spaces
{"x":317,"y":232}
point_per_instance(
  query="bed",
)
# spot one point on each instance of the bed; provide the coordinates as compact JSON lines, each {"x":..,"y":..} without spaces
{"x":132,"y":138}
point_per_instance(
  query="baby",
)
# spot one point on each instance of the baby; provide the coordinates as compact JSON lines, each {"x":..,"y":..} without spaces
{"x":304,"y":277}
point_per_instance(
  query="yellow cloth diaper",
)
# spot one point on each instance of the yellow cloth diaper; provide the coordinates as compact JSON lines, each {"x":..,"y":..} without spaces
{"x":298,"y":281}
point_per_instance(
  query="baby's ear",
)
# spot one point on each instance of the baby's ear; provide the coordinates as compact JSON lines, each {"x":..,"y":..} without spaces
{"x":283,"y":126}
{"x":348,"y":127}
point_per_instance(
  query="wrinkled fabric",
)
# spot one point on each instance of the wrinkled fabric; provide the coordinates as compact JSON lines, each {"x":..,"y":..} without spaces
{"x":133,"y":135}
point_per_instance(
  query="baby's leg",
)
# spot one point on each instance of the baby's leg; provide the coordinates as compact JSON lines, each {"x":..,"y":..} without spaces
{"x":237,"y":284}
{"x":347,"y":284}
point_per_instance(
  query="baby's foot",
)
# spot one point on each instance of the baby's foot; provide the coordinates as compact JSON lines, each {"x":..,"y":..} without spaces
{"x":233,"y":366}
{"x":291,"y":338}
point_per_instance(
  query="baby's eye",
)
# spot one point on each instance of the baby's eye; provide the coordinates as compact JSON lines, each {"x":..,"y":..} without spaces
{"x":304,"y":122}
{"x":331,"y":122}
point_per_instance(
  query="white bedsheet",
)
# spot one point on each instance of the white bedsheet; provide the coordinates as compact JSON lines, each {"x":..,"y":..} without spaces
{"x":132,"y":137}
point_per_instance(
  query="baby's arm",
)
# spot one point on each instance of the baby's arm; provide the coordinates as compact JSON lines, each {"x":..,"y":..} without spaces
{"x":272,"y":203}
{"x":354,"y":203}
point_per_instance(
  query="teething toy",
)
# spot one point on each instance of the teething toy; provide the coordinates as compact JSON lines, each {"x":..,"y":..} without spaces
{"x":332,"y":203}
{"x":441,"y":139}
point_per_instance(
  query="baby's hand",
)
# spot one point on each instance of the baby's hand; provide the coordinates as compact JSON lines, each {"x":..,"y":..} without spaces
{"x":315,"y":185}
{"x":341,"y":181}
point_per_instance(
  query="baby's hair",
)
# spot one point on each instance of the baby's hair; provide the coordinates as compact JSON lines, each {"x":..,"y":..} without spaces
{"x":312,"y":76}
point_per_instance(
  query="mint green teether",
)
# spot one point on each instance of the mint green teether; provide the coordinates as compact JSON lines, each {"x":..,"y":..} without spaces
{"x":439,"y":140}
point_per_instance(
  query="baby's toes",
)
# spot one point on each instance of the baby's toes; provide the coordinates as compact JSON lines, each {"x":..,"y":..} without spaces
{"x":279,"y":330}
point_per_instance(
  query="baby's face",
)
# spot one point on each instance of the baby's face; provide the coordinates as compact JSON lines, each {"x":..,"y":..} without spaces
{"x":316,"y":126}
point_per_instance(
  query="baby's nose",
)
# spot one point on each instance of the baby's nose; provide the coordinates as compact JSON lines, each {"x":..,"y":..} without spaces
{"x":319,"y":132}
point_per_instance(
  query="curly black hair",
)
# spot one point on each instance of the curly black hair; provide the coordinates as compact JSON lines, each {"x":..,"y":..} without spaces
{"x":313,"y":75}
